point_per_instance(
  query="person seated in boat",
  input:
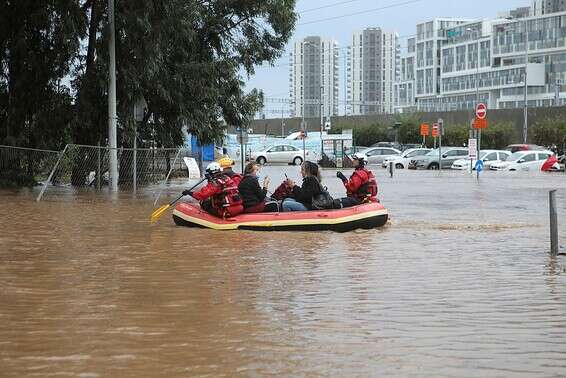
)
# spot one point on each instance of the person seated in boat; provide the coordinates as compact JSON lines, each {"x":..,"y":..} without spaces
{"x":220,"y":197}
{"x":362,"y":186}
{"x":254,"y":195}
{"x":226,"y":164}
{"x":303,"y":195}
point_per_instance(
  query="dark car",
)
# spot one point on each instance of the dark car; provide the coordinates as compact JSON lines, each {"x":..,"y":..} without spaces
{"x":524,"y":147}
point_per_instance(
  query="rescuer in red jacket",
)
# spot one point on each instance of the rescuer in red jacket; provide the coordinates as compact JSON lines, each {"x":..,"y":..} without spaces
{"x":226,"y":164}
{"x":362,"y":186}
{"x":220,"y":197}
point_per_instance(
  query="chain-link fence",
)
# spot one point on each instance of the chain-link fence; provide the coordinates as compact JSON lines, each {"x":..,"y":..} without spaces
{"x":21,"y":166}
{"x":82,"y":166}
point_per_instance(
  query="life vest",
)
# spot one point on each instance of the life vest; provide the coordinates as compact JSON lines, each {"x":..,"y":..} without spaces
{"x":368,"y":189}
{"x":236,"y":177}
{"x":227,"y":202}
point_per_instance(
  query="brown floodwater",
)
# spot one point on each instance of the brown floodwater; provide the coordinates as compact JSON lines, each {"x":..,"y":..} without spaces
{"x":458,"y":284}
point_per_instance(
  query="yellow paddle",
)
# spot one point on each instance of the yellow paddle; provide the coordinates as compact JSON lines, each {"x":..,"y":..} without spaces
{"x":159,"y":212}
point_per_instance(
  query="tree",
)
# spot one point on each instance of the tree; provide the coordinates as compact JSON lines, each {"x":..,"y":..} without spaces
{"x":39,"y":40}
{"x":185,"y":59}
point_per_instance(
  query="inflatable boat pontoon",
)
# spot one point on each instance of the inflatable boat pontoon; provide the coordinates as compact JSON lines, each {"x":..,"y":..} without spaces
{"x":365,"y":216}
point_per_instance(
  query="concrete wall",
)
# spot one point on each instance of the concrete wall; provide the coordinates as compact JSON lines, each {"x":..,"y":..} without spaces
{"x":515,"y":116}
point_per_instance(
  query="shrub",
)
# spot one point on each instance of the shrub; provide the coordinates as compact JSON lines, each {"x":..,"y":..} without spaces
{"x":550,"y":131}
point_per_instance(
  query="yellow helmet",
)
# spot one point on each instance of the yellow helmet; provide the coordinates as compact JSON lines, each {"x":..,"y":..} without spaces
{"x":226,"y":162}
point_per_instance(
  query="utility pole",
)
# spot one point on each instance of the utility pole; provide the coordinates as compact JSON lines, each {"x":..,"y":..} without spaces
{"x":321,"y":119}
{"x":282,"y":122}
{"x":345,"y":84}
{"x":113,"y":153}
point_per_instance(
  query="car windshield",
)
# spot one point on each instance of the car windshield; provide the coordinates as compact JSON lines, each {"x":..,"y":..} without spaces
{"x":482,"y":154}
{"x":516,"y":156}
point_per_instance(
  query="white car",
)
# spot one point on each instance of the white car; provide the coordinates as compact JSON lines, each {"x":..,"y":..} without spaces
{"x":523,"y":161}
{"x":281,"y":153}
{"x":376,"y":155}
{"x":489,"y":157}
{"x":403,"y":160}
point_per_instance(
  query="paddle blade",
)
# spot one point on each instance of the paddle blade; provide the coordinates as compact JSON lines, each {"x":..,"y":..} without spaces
{"x":158,"y":213}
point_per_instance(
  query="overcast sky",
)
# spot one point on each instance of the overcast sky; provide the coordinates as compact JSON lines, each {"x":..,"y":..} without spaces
{"x":402,"y":19}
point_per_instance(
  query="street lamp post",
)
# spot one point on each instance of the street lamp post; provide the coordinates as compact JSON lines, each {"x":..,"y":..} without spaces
{"x":526,"y":100}
{"x":525,"y":79}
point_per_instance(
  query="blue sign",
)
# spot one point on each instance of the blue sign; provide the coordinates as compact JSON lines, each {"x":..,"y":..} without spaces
{"x":479,"y":165}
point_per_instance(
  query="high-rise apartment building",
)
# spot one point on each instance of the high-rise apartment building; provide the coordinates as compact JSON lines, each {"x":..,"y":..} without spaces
{"x":313,"y":77}
{"x":372,"y":66}
{"x":541,"y":7}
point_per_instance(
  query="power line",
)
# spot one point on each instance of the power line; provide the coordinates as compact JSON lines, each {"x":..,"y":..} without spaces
{"x":361,"y":12}
{"x":327,"y":6}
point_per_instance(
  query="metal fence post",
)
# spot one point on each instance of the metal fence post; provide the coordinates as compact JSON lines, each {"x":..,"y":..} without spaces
{"x":52,"y":173}
{"x":553,"y":223}
{"x":98,"y":170}
{"x":167,"y":178}
{"x":135,"y":172}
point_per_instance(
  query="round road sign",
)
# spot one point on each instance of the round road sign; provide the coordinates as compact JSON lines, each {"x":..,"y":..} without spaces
{"x":481,"y":111}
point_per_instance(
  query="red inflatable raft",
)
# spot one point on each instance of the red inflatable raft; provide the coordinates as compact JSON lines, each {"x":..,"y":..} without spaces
{"x":366,"y":216}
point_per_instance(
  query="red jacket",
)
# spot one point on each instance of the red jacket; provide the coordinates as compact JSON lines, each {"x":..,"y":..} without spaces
{"x":362,"y":185}
{"x":225,"y":197}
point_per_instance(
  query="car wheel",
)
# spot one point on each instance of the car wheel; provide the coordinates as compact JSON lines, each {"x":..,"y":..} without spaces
{"x":399,"y":166}
{"x":261,"y":160}
{"x":298,"y":161}
{"x":433,"y":166}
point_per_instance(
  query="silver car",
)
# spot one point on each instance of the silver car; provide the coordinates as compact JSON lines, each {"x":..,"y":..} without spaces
{"x":449,"y":156}
{"x":376,"y":155}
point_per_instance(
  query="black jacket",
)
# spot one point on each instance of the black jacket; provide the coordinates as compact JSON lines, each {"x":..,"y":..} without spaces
{"x":305,"y":192}
{"x":250,"y":191}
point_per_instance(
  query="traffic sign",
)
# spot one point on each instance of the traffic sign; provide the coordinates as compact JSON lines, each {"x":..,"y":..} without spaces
{"x":481,"y":111}
{"x":480,"y":123}
{"x":472,"y":148}
{"x":435,"y":130}
{"x":425,"y":129}
{"x":479,"y":166}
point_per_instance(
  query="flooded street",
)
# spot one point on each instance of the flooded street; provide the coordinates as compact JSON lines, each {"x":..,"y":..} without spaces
{"x":458,"y":284}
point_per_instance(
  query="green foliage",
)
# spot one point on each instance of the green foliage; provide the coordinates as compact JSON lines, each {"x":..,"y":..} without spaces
{"x":550,"y":131}
{"x":39,"y":41}
{"x":187,"y":59}
{"x":498,"y":135}
{"x":409,"y":132}
{"x":365,"y":135}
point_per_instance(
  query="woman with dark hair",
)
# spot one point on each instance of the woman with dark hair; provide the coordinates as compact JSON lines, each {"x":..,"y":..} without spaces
{"x":253,"y":195}
{"x":303,"y":195}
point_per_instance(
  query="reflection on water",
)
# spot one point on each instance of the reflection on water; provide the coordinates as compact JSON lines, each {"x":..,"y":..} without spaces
{"x":458,"y":284}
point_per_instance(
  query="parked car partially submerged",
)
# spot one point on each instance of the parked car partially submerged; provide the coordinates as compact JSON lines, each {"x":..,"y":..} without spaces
{"x":376,"y":155}
{"x":431,"y":160}
{"x":402,"y":161}
{"x":524,"y":147}
{"x":281,"y":153}
{"x":523,"y":161}
{"x":488,"y":157}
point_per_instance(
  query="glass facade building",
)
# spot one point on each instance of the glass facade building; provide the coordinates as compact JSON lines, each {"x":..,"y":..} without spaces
{"x":485,"y":61}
